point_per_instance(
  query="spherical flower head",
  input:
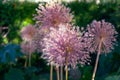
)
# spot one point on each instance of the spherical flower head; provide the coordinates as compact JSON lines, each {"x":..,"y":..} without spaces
{"x":53,"y":14}
{"x":38,"y":38}
{"x":27,"y":48}
{"x":100,"y":32}
{"x":40,"y":34}
{"x":64,"y":43}
{"x":28,"y":32}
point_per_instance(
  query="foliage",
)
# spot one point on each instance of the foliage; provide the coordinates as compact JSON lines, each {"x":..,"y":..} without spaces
{"x":114,"y":77}
{"x":9,"y":53}
{"x":86,"y":72}
{"x":15,"y":15}
{"x":87,"y":12}
{"x":14,"y":74}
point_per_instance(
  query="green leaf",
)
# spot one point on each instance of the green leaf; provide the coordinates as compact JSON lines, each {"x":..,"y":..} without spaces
{"x":9,"y":53}
{"x":34,"y":77}
{"x":115,"y":77}
{"x":14,"y":74}
{"x":87,"y":73}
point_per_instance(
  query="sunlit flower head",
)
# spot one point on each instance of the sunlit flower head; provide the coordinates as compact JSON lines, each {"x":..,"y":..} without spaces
{"x":27,"y":48}
{"x":28,"y":32}
{"x":52,"y":14}
{"x":40,"y":34}
{"x":64,"y":43}
{"x":100,"y":32}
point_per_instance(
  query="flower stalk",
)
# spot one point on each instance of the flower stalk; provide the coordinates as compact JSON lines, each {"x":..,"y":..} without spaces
{"x":66,"y":67}
{"x":25,"y":65}
{"x":51,"y":71}
{"x":61,"y":72}
{"x":57,"y":69}
{"x":29,"y":60}
{"x":97,"y":60}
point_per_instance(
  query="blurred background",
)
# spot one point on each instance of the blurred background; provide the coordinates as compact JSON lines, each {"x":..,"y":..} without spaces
{"x":15,"y":14}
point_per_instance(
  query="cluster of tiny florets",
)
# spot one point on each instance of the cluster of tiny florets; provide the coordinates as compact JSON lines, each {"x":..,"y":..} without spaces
{"x":27,"y":48}
{"x":53,"y":14}
{"x":50,"y":15}
{"x":28,"y":32}
{"x":100,"y":32}
{"x":64,"y":43}
{"x":38,"y":38}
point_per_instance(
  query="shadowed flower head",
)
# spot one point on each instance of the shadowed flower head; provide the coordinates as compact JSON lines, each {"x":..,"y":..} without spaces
{"x":53,"y":14}
{"x":38,"y":38}
{"x":28,"y":32}
{"x":100,"y":32}
{"x":27,"y":48}
{"x":64,"y":43}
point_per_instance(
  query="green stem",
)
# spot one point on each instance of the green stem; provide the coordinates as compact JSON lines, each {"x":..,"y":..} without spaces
{"x":97,"y":60}
{"x":61,"y":73}
{"x":29,"y":59}
{"x":25,"y":65}
{"x":51,"y":71}
{"x":66,"y":67}
{"x":30,"y":56}
{"x":57,"y":69}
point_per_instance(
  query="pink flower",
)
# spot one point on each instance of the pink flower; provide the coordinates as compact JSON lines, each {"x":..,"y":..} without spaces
{"x":38,"y":38}
{"x":27,"y":48}
{"x":40,"y":34}
{"x":64,"y":43}
{"x":53,"y":14}
{"x":100,"y":32}
{"x":28,"y":32}
{"x":50,"y":15}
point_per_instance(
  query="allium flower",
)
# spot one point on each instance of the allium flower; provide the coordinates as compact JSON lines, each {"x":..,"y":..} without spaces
{"x":38,"y":38}
{"x":53,"y":14}
{"x":40,"y":34}
{"x":28,"y":32}
{"x":27,"y":48}
{"x":100,"y":32}
{"x":64,"y":43}
{"x":100,"y":37}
